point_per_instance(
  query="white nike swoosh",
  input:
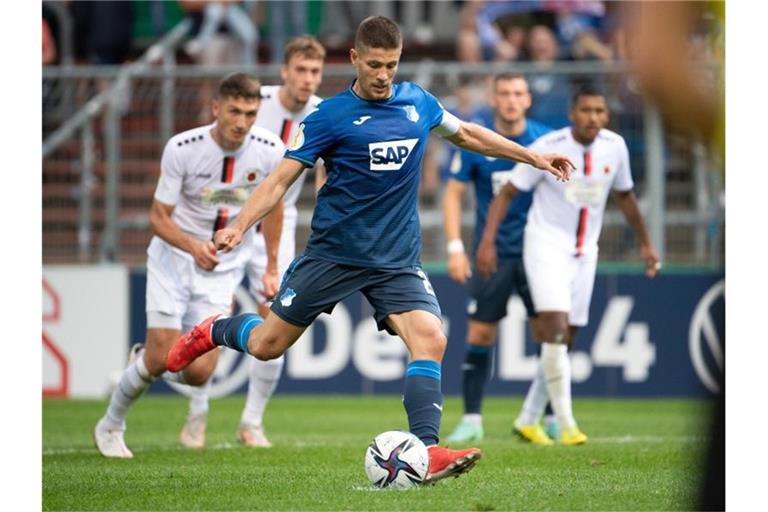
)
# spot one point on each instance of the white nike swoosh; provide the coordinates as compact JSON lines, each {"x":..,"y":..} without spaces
{"x":439,"y":407}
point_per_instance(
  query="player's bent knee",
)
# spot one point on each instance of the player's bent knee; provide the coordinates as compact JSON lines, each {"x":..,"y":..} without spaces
{"x":197,"y":378}
{"x":432,"y":344}
{"x":155,"y":364}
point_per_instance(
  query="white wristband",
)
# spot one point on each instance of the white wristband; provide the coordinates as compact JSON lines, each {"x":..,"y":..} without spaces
{"x":455,"y":246}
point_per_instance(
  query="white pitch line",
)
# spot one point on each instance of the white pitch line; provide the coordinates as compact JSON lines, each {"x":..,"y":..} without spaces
{"x":647,"y":439}
{"x":304,"y":444}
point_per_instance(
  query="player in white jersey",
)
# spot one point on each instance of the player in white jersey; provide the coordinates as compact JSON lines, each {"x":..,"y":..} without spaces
{"x":282,"y":109}
{"x":560,"y":244}
{"x":206,"y":174}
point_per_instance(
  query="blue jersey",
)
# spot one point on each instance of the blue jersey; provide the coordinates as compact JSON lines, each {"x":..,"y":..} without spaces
{"x":488,"y":173}
{"x":367,"y":212}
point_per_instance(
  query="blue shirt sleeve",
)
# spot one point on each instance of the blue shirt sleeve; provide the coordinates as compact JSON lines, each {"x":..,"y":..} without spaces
{"x":433,"y":109}
{"x":314,"y":136}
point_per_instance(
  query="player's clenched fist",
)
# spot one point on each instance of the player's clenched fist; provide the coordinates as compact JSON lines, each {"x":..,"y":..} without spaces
{"x":486,"y":258}
{"x":205,"y":255}
{"x":227,"y":239}
{"x":458,"y":267}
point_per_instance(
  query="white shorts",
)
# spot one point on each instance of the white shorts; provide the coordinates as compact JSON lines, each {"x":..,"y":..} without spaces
{"x":560,"y":281}
{"x":180,"y":294}
{"x":257,"y":265}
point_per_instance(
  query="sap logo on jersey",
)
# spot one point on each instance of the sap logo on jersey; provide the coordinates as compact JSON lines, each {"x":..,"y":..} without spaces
{"x":390,"y":156}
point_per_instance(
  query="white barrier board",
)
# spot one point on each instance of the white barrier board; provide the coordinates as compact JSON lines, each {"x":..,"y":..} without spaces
{"x":85,"y":328}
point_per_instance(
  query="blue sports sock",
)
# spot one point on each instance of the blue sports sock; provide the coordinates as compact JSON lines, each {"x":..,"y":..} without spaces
{"x":423,"y":400}
{"x":233,"y":332}
{"x":475,"y":372}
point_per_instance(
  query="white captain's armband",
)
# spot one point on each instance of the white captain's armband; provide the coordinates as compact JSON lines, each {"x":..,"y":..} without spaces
{"x":448,"y":126}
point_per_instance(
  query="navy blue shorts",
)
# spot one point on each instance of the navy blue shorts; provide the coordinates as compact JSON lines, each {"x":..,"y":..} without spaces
{"x":488,"y":297}
{"x":312,"y":286}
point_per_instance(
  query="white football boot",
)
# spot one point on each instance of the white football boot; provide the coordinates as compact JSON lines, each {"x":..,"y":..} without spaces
{"x":110,"y":441}
{"x":253,"y":436}
{"x":193,"y":432}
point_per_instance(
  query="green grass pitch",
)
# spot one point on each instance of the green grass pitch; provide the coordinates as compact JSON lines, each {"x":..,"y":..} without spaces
{"x":642,"y":455}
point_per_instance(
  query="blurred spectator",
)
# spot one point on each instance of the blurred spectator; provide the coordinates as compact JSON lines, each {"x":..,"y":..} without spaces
{"x":103,"y":31}
{"x":339,"y":18}
{"x":215,"y":15}
{"x":493,"y":30}
{"x":286,"y":21}
{"x":415,"y":20}
{"x":551,"y":91}
{"x":579,"y":25}
{"x":49,"y":45}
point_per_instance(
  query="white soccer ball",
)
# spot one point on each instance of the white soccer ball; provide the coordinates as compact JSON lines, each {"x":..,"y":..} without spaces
{"x":396,"y":459}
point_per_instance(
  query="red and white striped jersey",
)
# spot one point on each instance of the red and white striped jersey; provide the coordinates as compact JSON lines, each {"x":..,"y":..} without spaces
{"x":569,"y":215}
{"x":277,"y":119}
{"x":207,"y":185}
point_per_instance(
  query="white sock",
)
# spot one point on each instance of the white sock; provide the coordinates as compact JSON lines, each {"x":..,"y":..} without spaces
{"x":473,"y":419}
{"x":134,"y":380}
{"x":556,"y":367}
{"x":177,"y":377}
{"x":261,"y":384}
{"x":198,"y":402}
{"x":535,"y":400}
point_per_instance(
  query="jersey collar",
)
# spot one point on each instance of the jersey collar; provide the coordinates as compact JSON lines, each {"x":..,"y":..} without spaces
{"x":387,"y":100}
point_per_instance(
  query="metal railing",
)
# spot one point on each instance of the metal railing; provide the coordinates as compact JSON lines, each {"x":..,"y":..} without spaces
{"x":679,"y":196}
{"x":113,"y":99}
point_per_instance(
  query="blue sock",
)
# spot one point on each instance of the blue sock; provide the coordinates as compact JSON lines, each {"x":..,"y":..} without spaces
{"x":476,"y":369}
{"x":233,"y":332}
{"x":423,"y":400}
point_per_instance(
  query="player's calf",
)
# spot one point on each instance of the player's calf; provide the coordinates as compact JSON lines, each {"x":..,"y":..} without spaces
{"x":230,"y":332}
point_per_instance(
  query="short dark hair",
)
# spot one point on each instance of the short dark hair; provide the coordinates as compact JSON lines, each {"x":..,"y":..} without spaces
{"x":508,"y":75}
{"x":306,"y":46}
{"x":586,"y":89}
{"x":239,"y":85}
{"x":378,"y":32}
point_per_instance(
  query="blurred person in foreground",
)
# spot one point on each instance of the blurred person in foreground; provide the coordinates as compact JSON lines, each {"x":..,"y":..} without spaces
{"x":691,"y":99}
{"x":560,"y":244}
{"x":366,"y":234}
{"x":510,"y":100}
{"x":282,"y":109}
{"x":206,"y":174}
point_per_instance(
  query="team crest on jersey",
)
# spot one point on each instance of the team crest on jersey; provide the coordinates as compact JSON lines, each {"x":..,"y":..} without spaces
{"x":390,"y":156}
{"x":411,"y":113}
{"x":253,"y":175}
{"x":298,"y":139}
{"x":286,"y":299}
{"x":606,"y":170}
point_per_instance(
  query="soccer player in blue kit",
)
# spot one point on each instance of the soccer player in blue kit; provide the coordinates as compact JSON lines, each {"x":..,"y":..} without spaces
{"x":510,"y":99}
{"x":366,"y":234}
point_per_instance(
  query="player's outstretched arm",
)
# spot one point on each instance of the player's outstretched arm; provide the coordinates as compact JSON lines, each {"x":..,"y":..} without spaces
{"x":486,"y":251}
{"x":458,"y":263}
{"x":481,"y":140}
{"x":163,"y":226}
{"x":627,"y":202}
{"x":259,"y":204}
